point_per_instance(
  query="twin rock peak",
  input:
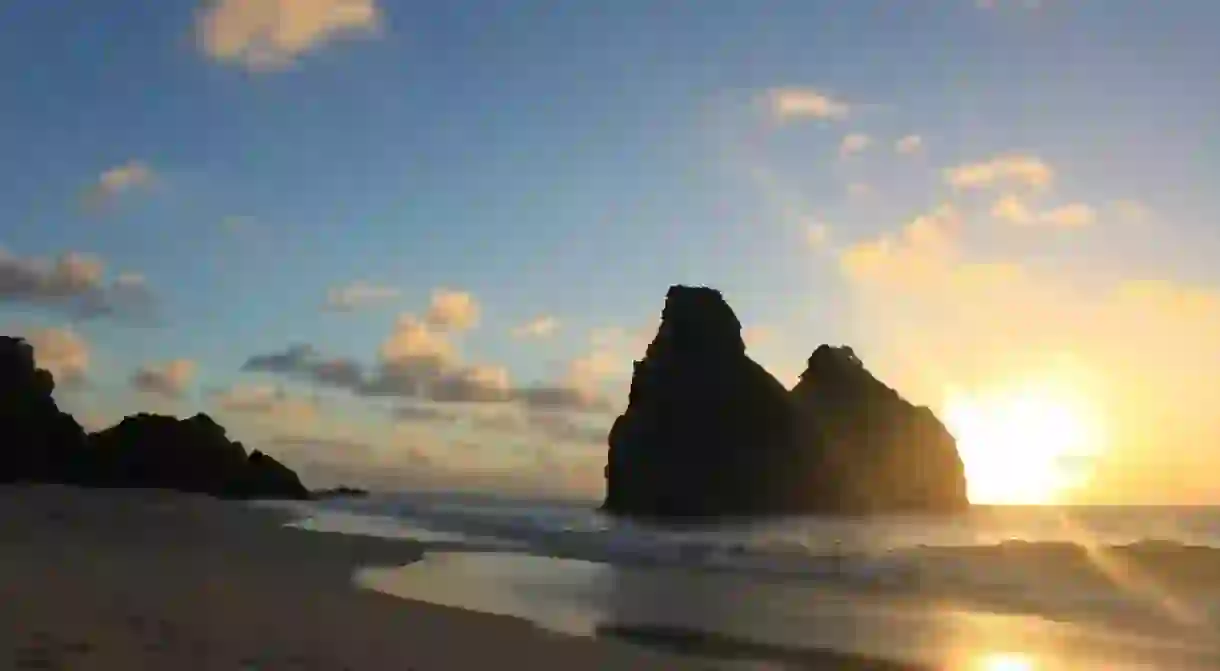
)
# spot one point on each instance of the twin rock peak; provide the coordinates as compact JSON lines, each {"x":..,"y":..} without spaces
{"x":709,"y":433}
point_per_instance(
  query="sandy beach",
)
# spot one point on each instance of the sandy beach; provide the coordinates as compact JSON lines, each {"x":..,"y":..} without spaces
{"x":158,"y":580}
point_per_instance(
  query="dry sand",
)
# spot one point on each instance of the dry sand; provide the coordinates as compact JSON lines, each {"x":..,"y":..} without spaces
{"x":123,"y":580}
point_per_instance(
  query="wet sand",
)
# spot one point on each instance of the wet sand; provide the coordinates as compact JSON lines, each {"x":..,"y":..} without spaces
{"x":112,"y":580}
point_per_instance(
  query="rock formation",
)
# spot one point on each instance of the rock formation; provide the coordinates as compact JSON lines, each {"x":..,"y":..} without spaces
{"x":192,"y":455}
{"x":705,"y":426}
{"x":39,"y":441}
{"x":340,"y":492}
{"x":709,"y":433}
{"x":881,"y":453}
{"x":43,"y":444}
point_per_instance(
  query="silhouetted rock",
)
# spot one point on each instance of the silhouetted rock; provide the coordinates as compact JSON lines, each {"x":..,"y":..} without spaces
{"x":709,"y":433}
{"x":881,"y":452}
{"x":191,"y":455}
{"x":342,"y":491}
{"x":43,"y":444}
{"x":705,"y":427}
{"x":39,"y":441}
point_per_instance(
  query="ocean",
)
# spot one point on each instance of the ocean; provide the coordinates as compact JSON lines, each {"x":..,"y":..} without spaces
{"x":994,"y":589}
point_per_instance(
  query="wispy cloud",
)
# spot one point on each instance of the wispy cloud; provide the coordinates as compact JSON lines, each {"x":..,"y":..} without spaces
{"x":1073,"y":215}
{"x":169,"y":379}
{"x":1013,"y":210}
{"x":910,"y":144}
{"x":266,"y":400}
{"x":854,"y":143}
{"x":116,"y":181}
{"x":359,"y":295}
{"x":797,"y":103}
{"x":539,"y":327}
{"x":264,"y":35}
{"x":1007,"y":170}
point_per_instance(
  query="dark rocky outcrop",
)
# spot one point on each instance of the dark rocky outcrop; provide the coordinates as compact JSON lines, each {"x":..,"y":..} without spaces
{"x":879,"y":452}
{"x":191,"y":455}
{"x":706,"y":427}
{"x":340,"y":492}
{"x":37,"y":440}
{"x":43,"y":444}
{"x":709,"y":433}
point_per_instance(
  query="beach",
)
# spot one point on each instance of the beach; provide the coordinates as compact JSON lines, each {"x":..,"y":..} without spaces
{"x":158,"y":580}
{"x":149,"y":579}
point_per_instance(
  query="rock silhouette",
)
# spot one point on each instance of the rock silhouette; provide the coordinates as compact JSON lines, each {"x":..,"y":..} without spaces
{"x":40,"y":441}
{"x":880,"y":452}
{"x":704,"y":422}
{"x":709,"y":433}
{"x":340,"y":492}
{"x":44,"y":444}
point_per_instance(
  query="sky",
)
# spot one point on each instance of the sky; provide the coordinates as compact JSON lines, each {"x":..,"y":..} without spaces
{"x":286,"y":213}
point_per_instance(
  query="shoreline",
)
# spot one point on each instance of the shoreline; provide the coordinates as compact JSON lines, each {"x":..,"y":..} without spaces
{"x":119,"y":579}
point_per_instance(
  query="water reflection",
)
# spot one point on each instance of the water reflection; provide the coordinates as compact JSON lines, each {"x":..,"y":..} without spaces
{"x":739,"y":617}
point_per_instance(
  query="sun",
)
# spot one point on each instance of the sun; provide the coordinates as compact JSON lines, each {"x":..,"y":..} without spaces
{"x":1023,"y":442}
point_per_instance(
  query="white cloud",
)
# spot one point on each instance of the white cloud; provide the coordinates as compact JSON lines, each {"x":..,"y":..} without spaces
{"x":539,"y":327}
{"x":854,"y":143}
{"x":910,"y":144}
{"x":358,"y":295}
{"x":270,"y":34}
{"x":168,"y":379}
{"x":415,"y":340}
{"x":797,"y":103}
{"x":1013,"y":170}
{"x":452,"y":310}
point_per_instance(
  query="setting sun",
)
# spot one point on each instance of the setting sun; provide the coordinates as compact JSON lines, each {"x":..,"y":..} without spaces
{"x":1020,"y":444}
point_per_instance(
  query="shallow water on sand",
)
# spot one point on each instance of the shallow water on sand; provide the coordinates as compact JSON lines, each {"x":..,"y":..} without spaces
{"x":954,"y":592}
{"x":779,"y":621}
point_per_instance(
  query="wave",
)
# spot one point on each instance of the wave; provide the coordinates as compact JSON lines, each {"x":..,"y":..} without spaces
{"x":906,"y":552}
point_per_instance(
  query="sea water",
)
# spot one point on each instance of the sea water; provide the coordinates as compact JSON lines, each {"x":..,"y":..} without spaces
{"x":1035,"y":588}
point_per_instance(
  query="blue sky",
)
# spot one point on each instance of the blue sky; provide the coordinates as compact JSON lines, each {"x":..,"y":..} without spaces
{"x":246,"y":159}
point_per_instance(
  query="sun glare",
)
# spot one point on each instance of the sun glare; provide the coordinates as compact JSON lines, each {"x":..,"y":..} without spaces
{"x":1021,"y":444}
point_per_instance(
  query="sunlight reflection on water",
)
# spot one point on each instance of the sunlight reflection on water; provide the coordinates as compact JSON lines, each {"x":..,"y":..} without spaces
{"x":774,"y":621}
